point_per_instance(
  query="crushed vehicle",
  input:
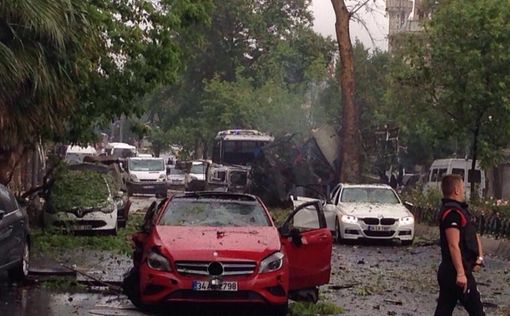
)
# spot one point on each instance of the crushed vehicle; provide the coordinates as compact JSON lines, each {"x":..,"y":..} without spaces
{"x":146,"y":176}
{"x":14,"y":237}
{"x":76,"y":154}
{"x":363,"y":211}
{"x":121,"y":150}
{"x":195,"y":177}
{"x":233,"y":153}
{"x":218,"y":247}
{"x":86,"y":197}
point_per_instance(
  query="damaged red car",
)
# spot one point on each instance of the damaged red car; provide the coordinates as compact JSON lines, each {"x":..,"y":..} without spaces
{"x":214,"y":247}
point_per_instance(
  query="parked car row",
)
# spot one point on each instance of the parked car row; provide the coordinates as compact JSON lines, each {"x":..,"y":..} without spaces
{"x":14,"y":236}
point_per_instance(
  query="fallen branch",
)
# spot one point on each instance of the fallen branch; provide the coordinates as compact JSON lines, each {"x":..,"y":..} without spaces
{"x":112,"y":287}
{"x":343,"y":286}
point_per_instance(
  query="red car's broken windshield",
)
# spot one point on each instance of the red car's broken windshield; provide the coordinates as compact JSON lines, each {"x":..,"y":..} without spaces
{"x":214,"y":212}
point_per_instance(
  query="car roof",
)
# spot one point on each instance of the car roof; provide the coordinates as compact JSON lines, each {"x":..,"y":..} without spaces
{"x":373,"y":185}
{"x":217,"y":195}
{"x":145,"y":158}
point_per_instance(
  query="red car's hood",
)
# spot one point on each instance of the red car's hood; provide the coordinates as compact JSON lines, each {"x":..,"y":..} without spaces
{"x":218,"y":243}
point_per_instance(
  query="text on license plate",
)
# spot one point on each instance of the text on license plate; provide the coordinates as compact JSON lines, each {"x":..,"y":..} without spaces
{"x":378,"y":228}
{"x":207,"y":286}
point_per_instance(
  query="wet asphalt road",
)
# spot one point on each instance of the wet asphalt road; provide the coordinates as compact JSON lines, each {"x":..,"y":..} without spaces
{"x":367,"y":279}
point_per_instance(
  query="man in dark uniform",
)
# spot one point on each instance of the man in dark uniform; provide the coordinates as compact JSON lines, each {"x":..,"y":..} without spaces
{"x":461,"y":252}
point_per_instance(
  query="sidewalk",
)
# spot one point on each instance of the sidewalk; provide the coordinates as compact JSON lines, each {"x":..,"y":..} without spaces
{"x":492,"y":247}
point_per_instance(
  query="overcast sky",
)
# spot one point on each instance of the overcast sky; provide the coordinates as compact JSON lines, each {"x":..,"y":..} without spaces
{"x":376,"y":22}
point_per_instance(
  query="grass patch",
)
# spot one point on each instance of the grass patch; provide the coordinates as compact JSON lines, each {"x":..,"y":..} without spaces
{"x":47,"y":241}
{"x":62,"y":284}
{"x":311,"y":309}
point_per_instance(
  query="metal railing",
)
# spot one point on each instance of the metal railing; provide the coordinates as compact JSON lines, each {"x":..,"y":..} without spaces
{"x":488,"y":225}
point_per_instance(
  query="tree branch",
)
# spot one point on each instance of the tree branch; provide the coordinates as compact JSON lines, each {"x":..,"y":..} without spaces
{"x":357,"y":8}
{"x":363,"y":23}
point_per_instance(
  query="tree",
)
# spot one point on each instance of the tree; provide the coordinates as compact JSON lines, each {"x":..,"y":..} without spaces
{"x":462,"y":73}
{"x":350,"y":151}
{"x":41,"y":45}
{"x":250,"y":47}
{"x":68,"y":66}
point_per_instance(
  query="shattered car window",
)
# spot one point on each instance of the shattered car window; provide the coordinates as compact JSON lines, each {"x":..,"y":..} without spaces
{"x":146,"y":165}
{"x":214,"y":213}
{"x":369,"y":195}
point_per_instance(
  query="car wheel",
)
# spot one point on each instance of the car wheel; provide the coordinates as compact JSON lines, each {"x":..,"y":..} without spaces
{"x":114,"y":231}
{"x":122,"y":224}
{"x":338,"y":235}
{"x":407,"y":242}
{"x":279,"y":310}
{"x":131,"y":287}
{"x":20,"y":271}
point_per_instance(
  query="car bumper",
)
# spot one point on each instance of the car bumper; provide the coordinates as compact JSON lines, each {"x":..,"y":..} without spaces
{"x":89,"y":222}
{"x":157,"y":287}
{"x":363,"y":231}
{"x":147,"y":187}
{"x":175,"y":183}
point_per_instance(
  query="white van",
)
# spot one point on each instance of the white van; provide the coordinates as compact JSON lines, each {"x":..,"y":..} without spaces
{"x":462,"y":167}
{"x":75,"y":154}
{"x":146,"y":176}
{"x":121,"y":150}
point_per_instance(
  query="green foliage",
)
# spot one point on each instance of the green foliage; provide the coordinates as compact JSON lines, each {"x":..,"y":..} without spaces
{"x":46,"y":242}
{"x":63,"y":284}
{"x":41,"y":50}
{"x":69,"y":65}
{"x":453,"y":86}
{"x":311,"y":309}
{"x":426,"y":199}
{"x":79,"y":188}
{"x":254,"y":69}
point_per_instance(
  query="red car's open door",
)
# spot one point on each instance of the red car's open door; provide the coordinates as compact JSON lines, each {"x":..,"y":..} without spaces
{"x":308,"y":247}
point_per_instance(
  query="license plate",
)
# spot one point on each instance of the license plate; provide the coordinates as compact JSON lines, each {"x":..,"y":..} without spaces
{"x":379,"y":228}
{"x":148,"y":187}
{"x":207,"y":286}
{"x":83,"y":227}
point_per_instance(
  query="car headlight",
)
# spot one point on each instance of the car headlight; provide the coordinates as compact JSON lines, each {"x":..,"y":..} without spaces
{"x":134,"y":178}
{"x":407,"y":220}
{"x":162,"y":177}
{"x":157,"y":262}
{"x":349,"y":219}
{"x":272,"y":263}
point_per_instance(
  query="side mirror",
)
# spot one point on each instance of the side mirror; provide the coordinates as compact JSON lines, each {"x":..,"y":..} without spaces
{"x":295,"y":234}
{"x":409,"y":205}
{"x":2,"y":212}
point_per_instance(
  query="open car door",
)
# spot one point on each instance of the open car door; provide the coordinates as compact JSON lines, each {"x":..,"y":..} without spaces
{"x":308,"y":247}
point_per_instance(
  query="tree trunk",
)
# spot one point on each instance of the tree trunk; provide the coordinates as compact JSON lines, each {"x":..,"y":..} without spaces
{"x":350,"y":151}
{"x":8,"y":162}
{"x":471,"y":179}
